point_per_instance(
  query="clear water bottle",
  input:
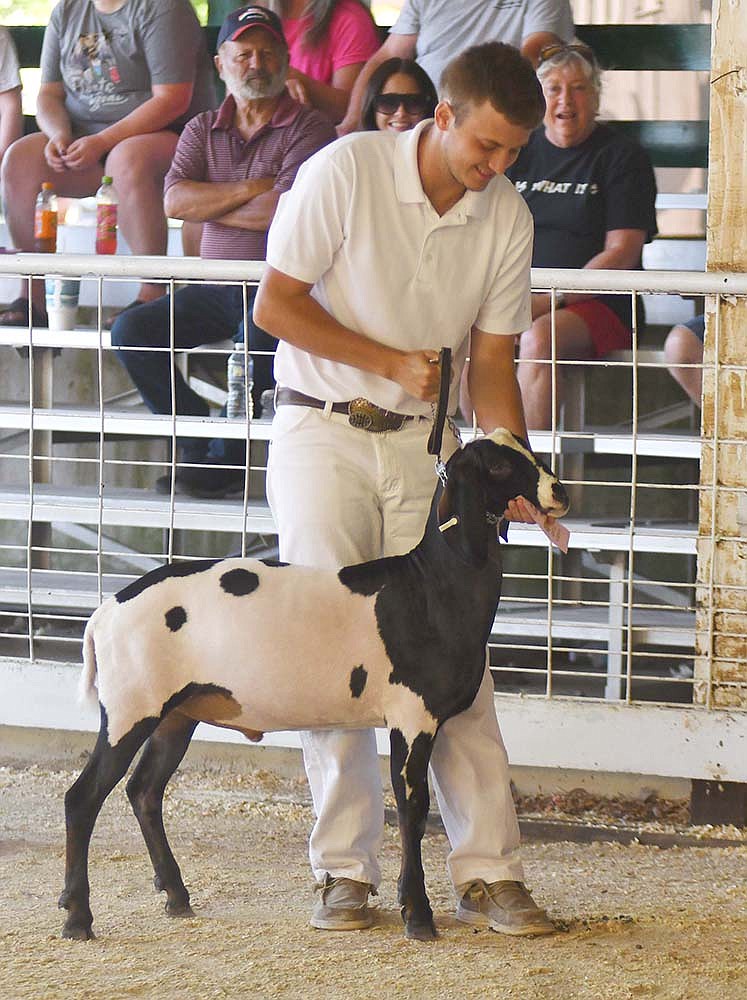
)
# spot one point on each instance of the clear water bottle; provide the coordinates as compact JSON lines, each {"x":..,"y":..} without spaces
{"x":239,"y":388}
{"x":106,"y":217}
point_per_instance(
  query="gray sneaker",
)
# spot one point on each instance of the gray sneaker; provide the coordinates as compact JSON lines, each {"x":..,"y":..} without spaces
{"x":506,"y":907}
{"x":342,"y":905}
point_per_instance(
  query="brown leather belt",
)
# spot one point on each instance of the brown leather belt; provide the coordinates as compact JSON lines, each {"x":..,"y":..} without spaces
{"x":361,"y":413}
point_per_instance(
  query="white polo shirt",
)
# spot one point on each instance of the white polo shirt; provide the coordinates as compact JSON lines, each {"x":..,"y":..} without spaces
{"x":358,"y":226}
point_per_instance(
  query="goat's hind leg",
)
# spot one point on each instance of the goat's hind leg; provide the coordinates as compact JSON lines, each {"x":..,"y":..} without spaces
{"x":409,"y":769}
{"x":162,"y":755}
{"x":83,"y":801}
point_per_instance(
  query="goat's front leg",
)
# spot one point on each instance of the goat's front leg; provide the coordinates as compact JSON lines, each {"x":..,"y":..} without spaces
{"x":409,"y":768}
{"x":162,"y":755}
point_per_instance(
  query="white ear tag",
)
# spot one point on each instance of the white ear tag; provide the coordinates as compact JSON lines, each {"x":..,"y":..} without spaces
{"x":448,"y":524}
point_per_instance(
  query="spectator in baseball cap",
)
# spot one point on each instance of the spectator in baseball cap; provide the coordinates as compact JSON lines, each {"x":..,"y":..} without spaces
{"x":254,"y":16}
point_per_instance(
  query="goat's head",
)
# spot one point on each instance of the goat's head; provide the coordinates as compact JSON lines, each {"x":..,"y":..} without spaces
{"x":481,"y":479}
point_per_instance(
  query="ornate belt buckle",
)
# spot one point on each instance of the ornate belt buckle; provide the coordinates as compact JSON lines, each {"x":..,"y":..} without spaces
{"x":362,"y":414}
{"x":367,"y":416}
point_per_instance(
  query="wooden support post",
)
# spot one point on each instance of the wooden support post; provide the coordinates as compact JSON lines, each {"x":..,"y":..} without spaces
{"x":721,"y":642}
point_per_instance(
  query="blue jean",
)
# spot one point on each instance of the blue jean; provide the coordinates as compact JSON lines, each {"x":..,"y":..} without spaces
{"x":203,"y":314}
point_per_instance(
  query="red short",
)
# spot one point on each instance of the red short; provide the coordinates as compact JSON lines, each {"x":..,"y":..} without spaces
{"x":607,"y":330}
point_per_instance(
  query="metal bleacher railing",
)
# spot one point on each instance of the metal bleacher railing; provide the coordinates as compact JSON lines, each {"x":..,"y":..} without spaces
{"x":79,"y":517}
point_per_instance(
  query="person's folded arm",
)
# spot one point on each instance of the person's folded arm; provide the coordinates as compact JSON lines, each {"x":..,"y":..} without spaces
{"x":204,"y":201}
{"x":256,"y":214}
{"x":285,"y":308}
{"x":621,"y":252}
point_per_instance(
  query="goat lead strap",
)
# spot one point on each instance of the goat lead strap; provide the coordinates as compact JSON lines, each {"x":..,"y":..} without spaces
{"x":437,"y":431}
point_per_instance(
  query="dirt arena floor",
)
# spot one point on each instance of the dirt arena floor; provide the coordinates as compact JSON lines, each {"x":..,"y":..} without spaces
{"x":633,"y":921}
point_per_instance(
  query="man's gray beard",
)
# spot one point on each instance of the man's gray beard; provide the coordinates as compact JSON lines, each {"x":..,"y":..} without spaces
{"x":255,"y":91}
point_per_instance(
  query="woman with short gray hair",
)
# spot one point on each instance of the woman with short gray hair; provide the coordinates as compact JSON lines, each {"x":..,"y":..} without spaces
{"x":555,"y":57}
{"x":591,"y":192}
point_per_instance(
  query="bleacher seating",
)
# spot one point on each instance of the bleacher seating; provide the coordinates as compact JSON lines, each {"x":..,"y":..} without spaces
{"x":670,"y":144}
{"x":618,"y":46}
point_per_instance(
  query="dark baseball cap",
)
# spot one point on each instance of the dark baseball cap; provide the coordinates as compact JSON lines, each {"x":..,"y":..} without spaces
{"x":239,"y":21}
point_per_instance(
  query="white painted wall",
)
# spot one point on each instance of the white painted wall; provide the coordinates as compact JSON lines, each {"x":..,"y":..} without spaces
{"x":581,"y":735}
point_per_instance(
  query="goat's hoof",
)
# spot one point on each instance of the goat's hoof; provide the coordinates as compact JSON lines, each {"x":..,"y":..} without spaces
{"x":420,"y":932}
{"x":76,"y":932}
{"x":179,"y":909}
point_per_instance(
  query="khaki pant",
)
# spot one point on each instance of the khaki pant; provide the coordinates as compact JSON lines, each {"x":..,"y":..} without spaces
{"x":341,"y":496}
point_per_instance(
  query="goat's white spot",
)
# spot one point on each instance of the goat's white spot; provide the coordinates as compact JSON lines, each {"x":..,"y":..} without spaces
{"x":504,"y":437}
{"x":413,"y":718}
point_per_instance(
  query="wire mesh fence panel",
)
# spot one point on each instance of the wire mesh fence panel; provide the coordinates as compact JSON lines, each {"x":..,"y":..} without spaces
{"x":105,"y":478}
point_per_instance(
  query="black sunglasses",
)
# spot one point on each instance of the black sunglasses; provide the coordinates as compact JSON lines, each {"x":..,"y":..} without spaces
{"x":550,"y":51}
{"x":414,"y":104}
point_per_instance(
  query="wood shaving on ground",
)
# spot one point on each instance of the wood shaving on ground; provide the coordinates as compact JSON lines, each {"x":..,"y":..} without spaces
{"x":632,"y":921}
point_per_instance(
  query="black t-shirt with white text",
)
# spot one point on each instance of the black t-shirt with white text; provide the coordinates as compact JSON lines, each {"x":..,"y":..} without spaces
{"x":578,"y":194}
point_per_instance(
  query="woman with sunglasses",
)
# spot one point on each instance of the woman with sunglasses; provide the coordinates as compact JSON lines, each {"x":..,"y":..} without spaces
{"x":398,"y":96}
{"x":329,"y":43}
{"x":591,"y":192}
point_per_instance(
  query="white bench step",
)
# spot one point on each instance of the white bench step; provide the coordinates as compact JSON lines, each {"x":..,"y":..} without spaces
{"x":650,"y":627}
{"x":127,"y":421}
{"x":134,"y":508}
{"x":60,"y":591}
{"x":81,"y":505}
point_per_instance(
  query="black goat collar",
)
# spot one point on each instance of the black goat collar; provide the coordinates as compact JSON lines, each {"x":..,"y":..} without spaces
{"x":490,"y":517}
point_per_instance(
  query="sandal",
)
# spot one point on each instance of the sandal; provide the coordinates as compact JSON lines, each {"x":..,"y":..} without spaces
{"x":17,"y":314}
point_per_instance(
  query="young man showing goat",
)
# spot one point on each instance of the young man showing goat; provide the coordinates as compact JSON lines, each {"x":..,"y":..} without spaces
{"x":386,"y":249}
{"x":254,"y":645}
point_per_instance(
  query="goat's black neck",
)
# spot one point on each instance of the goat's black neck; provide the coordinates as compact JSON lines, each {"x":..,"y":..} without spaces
{"x":451,"y":588}
{"x":453,"y":576}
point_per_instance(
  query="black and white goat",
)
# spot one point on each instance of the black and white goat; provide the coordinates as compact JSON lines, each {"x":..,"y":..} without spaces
{"x":258,"y":646}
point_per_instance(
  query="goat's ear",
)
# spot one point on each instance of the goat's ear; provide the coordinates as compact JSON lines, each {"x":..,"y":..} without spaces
{"x":464,"y":498}
{"x":501,"y":469}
